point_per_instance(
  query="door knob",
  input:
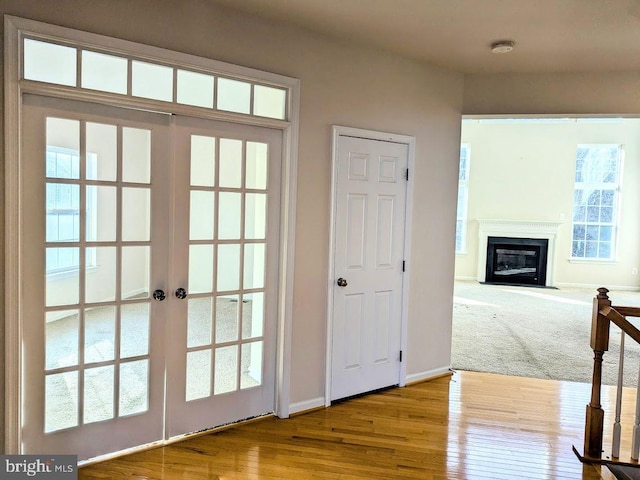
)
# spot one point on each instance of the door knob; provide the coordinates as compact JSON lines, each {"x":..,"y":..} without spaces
{"x":159,"y":295}
{"x":342,"y":282}
{"x":181,"y":293}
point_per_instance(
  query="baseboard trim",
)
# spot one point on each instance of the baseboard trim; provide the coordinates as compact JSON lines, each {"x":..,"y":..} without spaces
{"x":594,"y":287}
{"x":625,"y":288}
{"x":306,"y":406}
{"x":466,"y":278}
{"x":428,"y":375}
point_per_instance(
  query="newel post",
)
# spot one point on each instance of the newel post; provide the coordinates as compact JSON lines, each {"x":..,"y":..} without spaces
{"x":593,"y":431}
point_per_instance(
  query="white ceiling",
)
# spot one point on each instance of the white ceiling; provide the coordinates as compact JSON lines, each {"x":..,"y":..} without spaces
{"x":550,"y":35}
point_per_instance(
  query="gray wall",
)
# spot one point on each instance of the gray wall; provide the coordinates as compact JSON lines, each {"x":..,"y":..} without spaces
{"x":340,"y":84}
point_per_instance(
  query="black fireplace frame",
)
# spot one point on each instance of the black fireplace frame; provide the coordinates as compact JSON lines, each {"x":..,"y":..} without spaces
{"x":540,"y":245}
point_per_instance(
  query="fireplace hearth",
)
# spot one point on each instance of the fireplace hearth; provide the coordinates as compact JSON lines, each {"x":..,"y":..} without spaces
{"x":516,"y":261}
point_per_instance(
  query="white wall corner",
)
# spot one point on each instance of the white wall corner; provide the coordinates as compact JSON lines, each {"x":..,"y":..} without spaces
{"x":305,"y":405}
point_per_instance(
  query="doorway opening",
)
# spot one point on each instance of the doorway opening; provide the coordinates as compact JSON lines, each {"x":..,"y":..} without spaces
{"x":524,"y":181}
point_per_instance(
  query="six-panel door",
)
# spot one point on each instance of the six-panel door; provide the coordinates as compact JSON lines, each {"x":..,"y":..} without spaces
{"x":368,"y":265}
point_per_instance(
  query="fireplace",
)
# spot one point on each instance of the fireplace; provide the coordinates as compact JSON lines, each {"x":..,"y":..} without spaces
{"x":517,"y":261}
{"x":518,"y":230}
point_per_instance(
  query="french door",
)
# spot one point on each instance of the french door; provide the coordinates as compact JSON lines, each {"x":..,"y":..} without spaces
{"x":149,"y":273}
{"x":225,"y":250}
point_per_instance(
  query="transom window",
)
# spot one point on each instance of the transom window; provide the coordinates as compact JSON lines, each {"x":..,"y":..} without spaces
{"x":596,"y":200}
{"x":91,"y":70}
{"x":463,"y":199}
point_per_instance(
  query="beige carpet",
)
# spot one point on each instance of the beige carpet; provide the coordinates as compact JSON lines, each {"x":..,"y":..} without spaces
{"x":535,"y":332}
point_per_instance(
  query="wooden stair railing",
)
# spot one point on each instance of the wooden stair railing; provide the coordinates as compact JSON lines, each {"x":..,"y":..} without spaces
{"x":603,"y":315}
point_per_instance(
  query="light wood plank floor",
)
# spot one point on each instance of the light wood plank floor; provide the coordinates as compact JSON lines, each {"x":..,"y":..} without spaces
{"x":468,"y":426}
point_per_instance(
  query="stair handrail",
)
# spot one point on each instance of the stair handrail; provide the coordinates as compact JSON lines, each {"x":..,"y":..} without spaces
{"x":603,"y":314}
{"x":614,"y":314}
{"x":628,"y":311}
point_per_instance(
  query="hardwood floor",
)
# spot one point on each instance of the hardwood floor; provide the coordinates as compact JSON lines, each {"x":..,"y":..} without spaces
{"x":468,"y":426}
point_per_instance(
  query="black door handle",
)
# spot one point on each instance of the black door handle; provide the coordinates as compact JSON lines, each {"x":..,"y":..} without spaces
{"x":159,"y":295}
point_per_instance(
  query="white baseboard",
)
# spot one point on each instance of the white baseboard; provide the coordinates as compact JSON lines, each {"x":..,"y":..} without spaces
{"x":319,"y":402}
{"x":419,"y":377}
{"x":134,"y":293}
{"x":590,"y":286}
{"x":306,"y":405}
{"x":466,"y":278}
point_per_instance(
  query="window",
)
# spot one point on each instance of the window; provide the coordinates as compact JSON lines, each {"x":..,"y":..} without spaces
{"x":63,"y":208}
{"x":463,"y":198}
{"x":48,"y":62}
{"x":595,"y":201}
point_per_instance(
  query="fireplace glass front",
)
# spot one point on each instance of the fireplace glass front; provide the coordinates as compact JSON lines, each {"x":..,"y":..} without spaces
{"x":517,"y":261}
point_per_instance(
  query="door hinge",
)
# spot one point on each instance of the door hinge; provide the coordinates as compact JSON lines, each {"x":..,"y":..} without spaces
{"x":403,"y":265}
{"x":407,"y":175}
{"x":400,"y":356}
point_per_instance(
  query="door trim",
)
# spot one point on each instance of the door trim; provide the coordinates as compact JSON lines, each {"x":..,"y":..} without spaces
{"x":14,"y":30}
{"x":338,"y":131}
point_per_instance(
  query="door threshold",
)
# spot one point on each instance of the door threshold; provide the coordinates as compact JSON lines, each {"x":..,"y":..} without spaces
{"x":170,"y":441}
{"x":363,"y":394}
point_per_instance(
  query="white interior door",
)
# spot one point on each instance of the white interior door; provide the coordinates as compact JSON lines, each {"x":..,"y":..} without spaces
{"x":121,"y":210}
{"x":225,"y":253}
{"x":368,"y":265}
{"x":95,"y":248}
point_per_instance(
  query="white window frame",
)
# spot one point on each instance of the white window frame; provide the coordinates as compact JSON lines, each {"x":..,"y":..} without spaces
{"x":167,"y":80}
{"x":598,"y":185}
{"x":15,"y":30}
{"x":462,"y":210}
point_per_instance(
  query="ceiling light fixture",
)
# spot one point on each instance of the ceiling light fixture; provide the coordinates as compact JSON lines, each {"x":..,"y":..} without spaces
{"x":502,"y":46}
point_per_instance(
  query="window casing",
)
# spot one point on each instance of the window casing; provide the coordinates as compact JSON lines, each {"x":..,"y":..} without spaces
{"x":463,"y":199}
{"x":596,"y":200}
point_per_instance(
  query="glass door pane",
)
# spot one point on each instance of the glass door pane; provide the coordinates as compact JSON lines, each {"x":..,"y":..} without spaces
{"x":90,"y":171}
{"x":225,"y":251}
{"x":98,"y":229}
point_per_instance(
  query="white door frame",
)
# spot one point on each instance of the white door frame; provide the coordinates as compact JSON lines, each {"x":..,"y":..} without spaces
{"x":410,"y":141}
{"x":15,"y":29}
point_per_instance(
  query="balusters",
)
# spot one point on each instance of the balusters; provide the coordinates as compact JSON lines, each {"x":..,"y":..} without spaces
{"x":635,"y":442}
{"x":603,"y":315}
{"x":615,"y":449}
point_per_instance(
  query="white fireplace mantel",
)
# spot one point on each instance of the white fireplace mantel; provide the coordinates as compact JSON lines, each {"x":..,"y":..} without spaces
{"x":517,"y":229}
